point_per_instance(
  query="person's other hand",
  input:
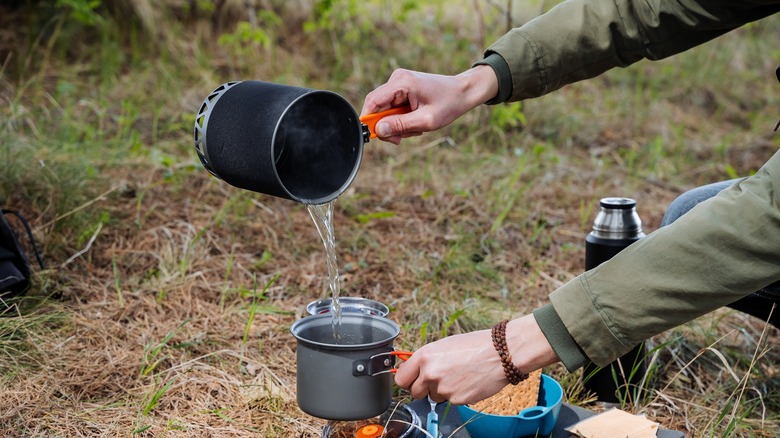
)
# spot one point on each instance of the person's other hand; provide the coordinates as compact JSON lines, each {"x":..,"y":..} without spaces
{"x":436,"y":100}
{"x":466,"y":368}
{"x":462,"y":369}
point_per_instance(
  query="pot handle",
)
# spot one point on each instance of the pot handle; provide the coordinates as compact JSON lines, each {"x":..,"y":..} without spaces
{"x":403,"y":355}
{"x":369,"y":120}
{"x":379,"y":363}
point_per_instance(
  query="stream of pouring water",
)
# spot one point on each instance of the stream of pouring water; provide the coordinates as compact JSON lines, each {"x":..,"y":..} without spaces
{"x":323,"y":220}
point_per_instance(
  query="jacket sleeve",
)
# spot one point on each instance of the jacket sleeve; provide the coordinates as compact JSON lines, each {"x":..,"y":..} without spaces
{"x":721,"y":250}
{"x":580,"y":39}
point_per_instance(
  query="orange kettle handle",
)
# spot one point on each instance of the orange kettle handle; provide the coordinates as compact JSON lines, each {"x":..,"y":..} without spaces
{"x":370,"y":120}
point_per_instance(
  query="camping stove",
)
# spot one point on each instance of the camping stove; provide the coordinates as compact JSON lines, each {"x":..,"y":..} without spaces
{"x":402,"y":420}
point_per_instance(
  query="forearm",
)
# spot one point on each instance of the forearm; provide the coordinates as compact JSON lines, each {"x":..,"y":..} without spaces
{"x":480,"y":84}
{"x":528,"y":345}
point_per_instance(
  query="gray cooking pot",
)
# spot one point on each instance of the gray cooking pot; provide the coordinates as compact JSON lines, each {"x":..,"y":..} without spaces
{"x":349,"y":379}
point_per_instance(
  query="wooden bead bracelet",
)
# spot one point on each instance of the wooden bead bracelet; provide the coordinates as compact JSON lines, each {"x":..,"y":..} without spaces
{"x":498,"y":334}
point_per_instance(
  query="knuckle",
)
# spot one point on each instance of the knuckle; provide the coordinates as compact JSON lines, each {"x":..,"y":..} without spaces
{"x":400,"y":73}
{"x":428,"y":121}
{"x":400,"y":127}
{"x":419,"y":391}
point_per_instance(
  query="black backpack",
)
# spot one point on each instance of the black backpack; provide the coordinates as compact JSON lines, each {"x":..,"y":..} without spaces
{"x":15,"y":269}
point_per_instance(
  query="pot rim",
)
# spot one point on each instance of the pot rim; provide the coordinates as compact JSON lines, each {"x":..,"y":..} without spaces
{"x":390,"y":328}
{"x":353,"y":172}
{"x":365,"y":305}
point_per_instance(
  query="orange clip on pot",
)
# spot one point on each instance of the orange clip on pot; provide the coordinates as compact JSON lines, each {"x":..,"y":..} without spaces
{"x":371,"y":120}
{"x":403,"y":355}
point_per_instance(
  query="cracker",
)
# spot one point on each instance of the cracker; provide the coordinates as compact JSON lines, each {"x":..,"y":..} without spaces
{"x":513,"y":398}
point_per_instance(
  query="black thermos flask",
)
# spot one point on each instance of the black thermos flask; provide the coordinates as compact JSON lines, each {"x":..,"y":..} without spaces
{"x":617,"y":225}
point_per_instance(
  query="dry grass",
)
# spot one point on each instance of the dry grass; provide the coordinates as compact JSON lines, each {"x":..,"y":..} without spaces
{"x":155,"y":267}
{"x":97,"y":374}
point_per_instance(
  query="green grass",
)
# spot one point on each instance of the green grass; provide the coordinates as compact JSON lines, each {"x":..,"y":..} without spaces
{"x":454,"y":230}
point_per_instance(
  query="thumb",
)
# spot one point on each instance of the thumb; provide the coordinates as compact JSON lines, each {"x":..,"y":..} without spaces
{"x":400,"y":125}
{"x":384,"y":129}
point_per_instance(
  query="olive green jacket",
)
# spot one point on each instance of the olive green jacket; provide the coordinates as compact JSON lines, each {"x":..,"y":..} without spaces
{"x":722,"y":250}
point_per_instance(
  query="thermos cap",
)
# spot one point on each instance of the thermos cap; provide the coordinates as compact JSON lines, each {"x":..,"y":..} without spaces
{"x":617,"y":203}
{"x":617,"y":219}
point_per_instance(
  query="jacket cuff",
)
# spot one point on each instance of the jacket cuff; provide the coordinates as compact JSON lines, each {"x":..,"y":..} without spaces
{"x":504,"y":75}
{"x":570,"y":354}
{"x":581,"y":313}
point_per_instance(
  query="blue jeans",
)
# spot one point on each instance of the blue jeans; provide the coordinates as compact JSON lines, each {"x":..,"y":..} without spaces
{"x":759,"y":303}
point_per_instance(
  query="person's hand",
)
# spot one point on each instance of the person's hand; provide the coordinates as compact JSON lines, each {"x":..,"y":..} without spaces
{"x":466,"y":368}
{"x":462,"y":369}
{"x":436,"y":100}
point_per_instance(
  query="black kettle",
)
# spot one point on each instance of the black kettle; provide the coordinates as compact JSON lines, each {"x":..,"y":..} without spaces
{"x":295,"y":143}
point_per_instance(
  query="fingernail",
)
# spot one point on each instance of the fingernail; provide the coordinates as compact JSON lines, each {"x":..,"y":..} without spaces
{"x":383,"y":129}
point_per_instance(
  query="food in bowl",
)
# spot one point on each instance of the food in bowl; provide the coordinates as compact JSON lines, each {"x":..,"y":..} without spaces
{"x":512,"y":398}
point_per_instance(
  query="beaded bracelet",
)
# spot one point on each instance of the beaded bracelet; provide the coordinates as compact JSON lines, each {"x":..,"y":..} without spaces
{"x":498,"y":334}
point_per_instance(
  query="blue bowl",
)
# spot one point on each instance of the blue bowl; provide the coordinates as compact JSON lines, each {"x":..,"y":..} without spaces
{"x":534,"y":421}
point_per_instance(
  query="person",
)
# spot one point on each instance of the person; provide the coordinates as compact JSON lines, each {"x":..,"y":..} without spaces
{"x":712,"y":255}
